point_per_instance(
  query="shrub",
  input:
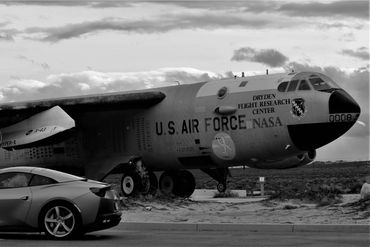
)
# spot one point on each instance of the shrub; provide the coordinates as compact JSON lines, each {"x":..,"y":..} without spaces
{"x":322,"y":194}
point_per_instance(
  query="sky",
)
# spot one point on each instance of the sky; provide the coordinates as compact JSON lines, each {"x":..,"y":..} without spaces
{"x":63,"y":48}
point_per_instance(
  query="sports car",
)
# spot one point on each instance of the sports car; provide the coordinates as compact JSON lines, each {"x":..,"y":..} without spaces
{"x":57,"y":203}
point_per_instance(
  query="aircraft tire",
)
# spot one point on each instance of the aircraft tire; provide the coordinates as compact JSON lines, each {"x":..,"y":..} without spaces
{"x":221,"y":187}
{"x":153,"y":181}
{"x":185,"y":184}
{"x":167,"y":183}
{"x":130,"y":183}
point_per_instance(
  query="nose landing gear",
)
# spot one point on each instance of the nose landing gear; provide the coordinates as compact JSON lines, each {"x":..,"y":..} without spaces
{"x":220,"y":175}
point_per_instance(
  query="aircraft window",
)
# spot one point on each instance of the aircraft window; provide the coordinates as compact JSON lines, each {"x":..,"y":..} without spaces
{"x":14,"y":180}
{"x":243,"y":83}
{"x":282,"y":86}
{"x":318,"y":84}
{"x":292,"y":85}
{"x":303,"y":85}
{"x":41,"y":180}
{"x":222,"y":92}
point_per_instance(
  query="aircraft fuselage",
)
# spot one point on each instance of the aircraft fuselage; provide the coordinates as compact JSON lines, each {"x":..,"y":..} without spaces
{"x":251,"y":121}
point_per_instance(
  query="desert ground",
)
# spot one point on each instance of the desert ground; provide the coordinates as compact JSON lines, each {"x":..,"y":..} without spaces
{"x":346,"y":178}
{"x":244,"y":211}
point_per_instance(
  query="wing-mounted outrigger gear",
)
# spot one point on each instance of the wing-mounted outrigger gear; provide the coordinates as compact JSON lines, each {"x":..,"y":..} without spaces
{"x":220,"y":175}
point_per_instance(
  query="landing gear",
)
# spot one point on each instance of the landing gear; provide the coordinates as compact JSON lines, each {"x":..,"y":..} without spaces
{"x":167,"y":182}
{"x":180,"y":183}
{"x":220,"y":175}
{"x":136,"y":179}
{"x":153,"y":181}
{"x":221,"y":187}
{"x":130,"y":183}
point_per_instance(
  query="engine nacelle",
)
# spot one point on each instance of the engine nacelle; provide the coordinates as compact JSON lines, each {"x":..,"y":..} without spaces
{"x":291,"y":162}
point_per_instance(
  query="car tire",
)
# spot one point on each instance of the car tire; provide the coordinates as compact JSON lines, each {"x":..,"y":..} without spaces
{"x":60,"y":221}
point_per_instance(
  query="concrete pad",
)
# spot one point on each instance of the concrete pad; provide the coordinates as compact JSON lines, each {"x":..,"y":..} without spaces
{"x":208,"y":195}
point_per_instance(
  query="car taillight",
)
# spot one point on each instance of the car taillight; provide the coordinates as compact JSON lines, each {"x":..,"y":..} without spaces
{"x":105,"y":192}
{"x":101,"y":192}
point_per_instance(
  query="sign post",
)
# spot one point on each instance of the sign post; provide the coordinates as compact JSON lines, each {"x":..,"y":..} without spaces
{"x":262,"y":185}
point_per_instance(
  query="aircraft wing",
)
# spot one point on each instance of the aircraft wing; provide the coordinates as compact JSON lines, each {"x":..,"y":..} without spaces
{"x":96,"y":102}
{"x":23,"y":124}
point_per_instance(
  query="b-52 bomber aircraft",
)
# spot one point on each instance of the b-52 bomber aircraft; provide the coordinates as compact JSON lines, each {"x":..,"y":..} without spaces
{"x":266,"y":121}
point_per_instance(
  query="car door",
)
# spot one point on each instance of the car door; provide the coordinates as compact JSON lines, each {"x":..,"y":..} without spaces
{"x":15,"y":198}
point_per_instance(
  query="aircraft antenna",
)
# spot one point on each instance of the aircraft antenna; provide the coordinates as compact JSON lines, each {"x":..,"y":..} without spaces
{"x":267,"y":71}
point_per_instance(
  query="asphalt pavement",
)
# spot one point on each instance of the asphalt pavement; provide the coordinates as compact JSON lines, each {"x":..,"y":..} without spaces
{"x":119,"y":237}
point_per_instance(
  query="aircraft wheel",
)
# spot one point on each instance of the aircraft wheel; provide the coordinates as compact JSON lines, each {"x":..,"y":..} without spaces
{"x":221,"y":187}
{"x":185,"y":184}
{"x":130,"y":183}
{"x":167,"y":183}
{"x":153,"y":183}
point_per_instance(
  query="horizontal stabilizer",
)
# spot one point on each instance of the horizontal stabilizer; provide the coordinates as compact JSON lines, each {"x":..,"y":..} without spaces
{"x":36,"y":128}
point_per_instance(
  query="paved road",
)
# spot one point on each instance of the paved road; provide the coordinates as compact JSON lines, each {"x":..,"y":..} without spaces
{"x":118,"y":238}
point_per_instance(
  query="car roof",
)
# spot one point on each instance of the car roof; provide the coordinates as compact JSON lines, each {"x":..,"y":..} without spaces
{"x":56,"y":175}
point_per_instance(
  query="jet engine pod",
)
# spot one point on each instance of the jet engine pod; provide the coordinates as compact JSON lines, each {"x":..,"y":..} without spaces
{"x":290,"y":162}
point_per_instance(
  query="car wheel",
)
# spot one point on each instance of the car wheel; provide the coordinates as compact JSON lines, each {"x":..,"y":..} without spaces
{"x":60,"y":221}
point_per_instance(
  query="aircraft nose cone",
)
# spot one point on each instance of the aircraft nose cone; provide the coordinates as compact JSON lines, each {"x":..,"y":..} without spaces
{"x":341,"y":102}
{"x":343,"y":114}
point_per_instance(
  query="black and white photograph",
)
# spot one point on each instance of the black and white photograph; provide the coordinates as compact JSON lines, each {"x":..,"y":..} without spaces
{"x":184,"y":123}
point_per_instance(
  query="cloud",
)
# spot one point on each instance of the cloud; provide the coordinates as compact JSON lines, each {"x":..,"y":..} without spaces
{"x":161,"y":24}
{"x":9,"y":33}
{"x":270,"y":57}
{"x":6,"y":36}
{"x":44,"y":66}
{"x":344,"y":9}
{"x":353,"y":9}
{"x":93,"y":82}
{"x":69,"y":3}
{"x":46,"y":3}
{"x":361,"y":53}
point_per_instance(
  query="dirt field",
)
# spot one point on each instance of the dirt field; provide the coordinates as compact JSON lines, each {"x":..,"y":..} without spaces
{"x":261,"y":212}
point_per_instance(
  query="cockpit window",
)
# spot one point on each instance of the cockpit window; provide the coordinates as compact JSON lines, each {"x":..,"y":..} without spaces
{"x":282,"y":86}
{"x":303,"y":85}
{"x":318,"y":83}
{"x":292,"y":85}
